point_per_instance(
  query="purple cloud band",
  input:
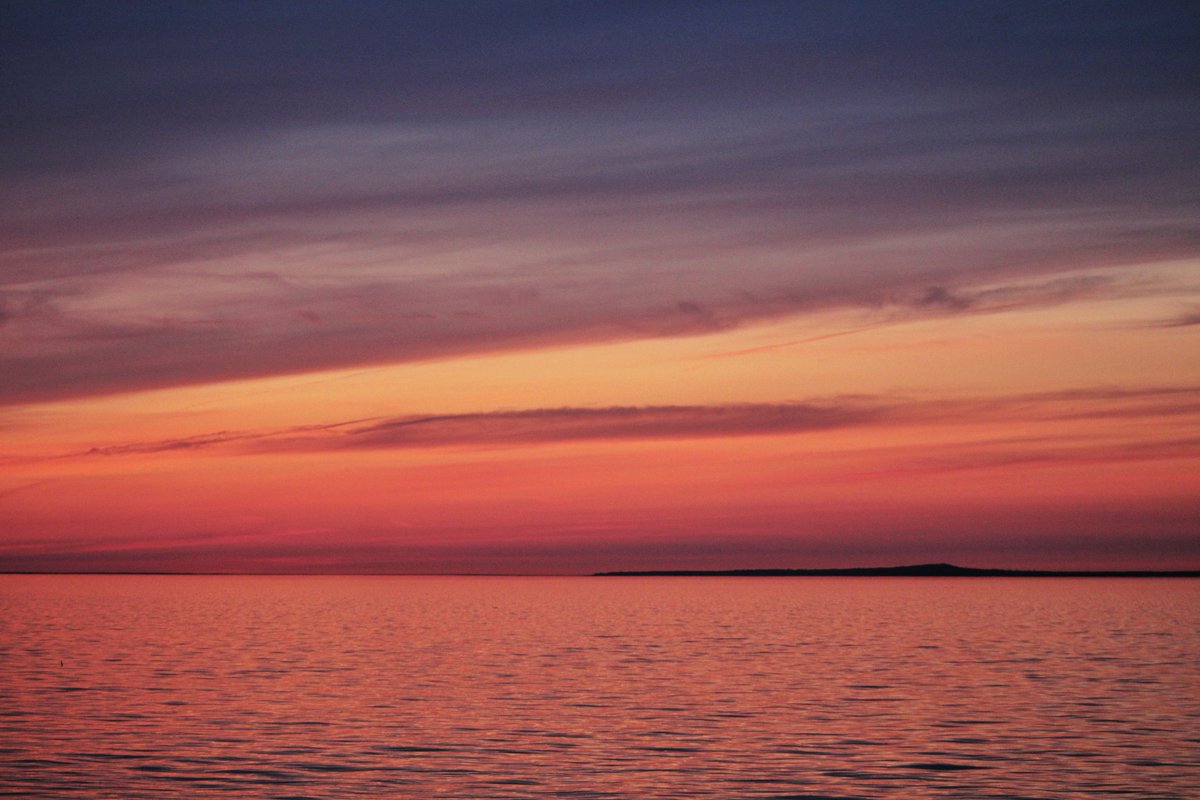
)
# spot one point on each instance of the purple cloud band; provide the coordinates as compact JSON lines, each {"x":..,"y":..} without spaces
{"x":572,"y":424}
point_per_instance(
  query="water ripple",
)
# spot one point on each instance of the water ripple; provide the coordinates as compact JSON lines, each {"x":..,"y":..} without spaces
{"x":296,"y":689}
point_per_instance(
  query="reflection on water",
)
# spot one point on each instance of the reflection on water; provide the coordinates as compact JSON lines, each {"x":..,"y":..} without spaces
{"x":299,"y":687}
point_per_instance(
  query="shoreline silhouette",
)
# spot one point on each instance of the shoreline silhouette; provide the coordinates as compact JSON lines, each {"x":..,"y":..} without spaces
{"x":908,"y":571}
{"x":939,"y":570}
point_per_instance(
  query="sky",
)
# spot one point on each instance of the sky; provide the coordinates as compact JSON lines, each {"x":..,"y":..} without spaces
{"x":570,"y":287}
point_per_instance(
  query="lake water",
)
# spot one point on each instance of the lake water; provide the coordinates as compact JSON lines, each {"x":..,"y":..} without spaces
{"x":448,"y":687}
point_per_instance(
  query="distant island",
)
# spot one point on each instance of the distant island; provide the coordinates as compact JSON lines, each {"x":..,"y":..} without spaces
{"x":911,"y":571}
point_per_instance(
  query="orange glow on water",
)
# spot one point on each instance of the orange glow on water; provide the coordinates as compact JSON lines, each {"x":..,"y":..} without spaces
{"x":658,"y":688}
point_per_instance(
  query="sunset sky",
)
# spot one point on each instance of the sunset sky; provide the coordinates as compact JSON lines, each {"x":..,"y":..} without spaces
{"x":569,"y":287}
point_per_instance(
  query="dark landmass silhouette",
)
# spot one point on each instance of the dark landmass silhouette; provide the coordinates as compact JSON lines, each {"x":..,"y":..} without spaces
{"x":914,"y":571}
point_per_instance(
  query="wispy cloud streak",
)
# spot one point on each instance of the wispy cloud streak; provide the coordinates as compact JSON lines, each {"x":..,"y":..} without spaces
{"x":531,"y":427}
{"x":266,"y":324}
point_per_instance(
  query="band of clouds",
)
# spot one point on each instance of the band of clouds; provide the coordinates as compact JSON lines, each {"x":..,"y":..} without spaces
{"x":262,"y":324}
{"x":541,"y":426}
{"x":460,"y":178}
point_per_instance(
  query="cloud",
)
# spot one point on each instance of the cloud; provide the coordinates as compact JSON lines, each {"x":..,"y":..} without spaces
{"x":574,"y":424}
{"x":932,"y":301}
{"x":1185,"y":320}
{"x":939,"y":297}
{"x":295,"y":189}
{"x":23,"y":487}
{"x":1037,"y":451}
{"x":91,"y":76}
{"x":154,"y":333}
{"x":207,"y":440}
{"x":168,"y":445}
{"x":1027,"y":294}
{"x":531,"y":427}
{"x":520,"y":427}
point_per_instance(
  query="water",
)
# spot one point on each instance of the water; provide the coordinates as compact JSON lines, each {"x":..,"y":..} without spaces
{"x":330,"y":687}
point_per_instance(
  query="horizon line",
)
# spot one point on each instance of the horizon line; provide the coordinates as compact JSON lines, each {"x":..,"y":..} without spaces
{"x":930,"y":570}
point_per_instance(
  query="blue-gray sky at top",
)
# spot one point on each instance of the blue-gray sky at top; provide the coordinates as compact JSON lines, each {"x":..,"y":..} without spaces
{"x":109,"y":79}
{"x":510,"y":173}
